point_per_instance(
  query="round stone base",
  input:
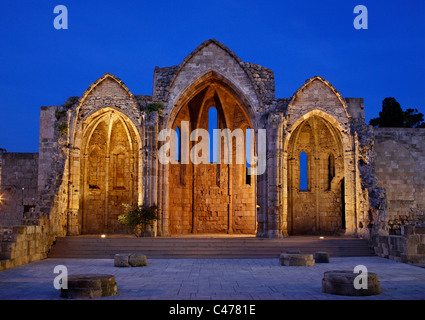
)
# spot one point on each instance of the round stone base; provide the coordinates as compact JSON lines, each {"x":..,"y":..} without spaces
{"x":342,"y":283}
{"x":296,"y":259}
{"x":89,"y":286}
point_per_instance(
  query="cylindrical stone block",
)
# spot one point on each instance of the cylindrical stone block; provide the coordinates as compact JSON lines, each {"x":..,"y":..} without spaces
{"x":89,"y":286}
{"x":342,"y":283}
{"x":137,"y":260}
{"x":121,"y":260}
{"x":296,"y":259}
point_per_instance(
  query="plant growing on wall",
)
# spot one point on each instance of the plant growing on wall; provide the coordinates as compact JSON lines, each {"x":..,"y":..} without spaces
{"x":63,"y":128}
{"x":155,"y":106}
{"x":139,"y":218}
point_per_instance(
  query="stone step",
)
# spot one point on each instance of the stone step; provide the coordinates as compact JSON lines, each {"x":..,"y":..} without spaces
{"x":192,"y":247}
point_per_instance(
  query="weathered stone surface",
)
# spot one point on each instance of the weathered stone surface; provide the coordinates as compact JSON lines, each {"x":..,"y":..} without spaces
{"x":25,"y":243}
{"x":18,"y":186}
{"x":101,"y":149}
{"x":400,"y":154}
{"x":342,"y":283}
{"x":130,"y":260}
{"x":122,"y":260}
{"x":296,"y":259}
{"x":409,"y":247}
{"x":137,"y":260}
{"x":89,"y":286}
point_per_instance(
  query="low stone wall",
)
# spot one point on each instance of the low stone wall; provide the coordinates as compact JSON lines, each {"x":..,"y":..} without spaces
{"x":23,"y":244}
{"x":409,"y":247}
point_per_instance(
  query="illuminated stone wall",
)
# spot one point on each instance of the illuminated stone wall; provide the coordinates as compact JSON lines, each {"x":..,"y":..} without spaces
{"x":102,"y":149}
{"x":212,"y":197}
{"x":18,"y":186}
{"x":319,"y":208}
{"x":400,"y":154}
{"x":322,"y":123}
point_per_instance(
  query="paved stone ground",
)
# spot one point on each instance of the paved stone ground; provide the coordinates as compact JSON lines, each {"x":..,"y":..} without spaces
{"x":214,"y":279}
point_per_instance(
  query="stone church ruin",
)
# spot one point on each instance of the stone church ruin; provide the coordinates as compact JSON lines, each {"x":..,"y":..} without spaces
{"x":326,"y":171}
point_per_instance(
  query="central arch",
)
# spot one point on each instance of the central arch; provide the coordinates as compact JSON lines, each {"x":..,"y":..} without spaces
{"x":213,"y":196}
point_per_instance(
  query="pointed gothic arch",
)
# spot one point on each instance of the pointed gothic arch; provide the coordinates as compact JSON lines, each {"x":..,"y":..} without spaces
{"x":211,"y":199}
{"x":116,"y":169}
{"x":318,"y":208}
{"x":106,"y":119}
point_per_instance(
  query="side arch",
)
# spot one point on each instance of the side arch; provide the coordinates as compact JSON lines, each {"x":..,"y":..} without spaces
{"x":321,"y":134}
{"x":93,"y":208}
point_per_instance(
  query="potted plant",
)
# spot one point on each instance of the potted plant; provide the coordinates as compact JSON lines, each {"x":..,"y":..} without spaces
{"x":140,"y":219}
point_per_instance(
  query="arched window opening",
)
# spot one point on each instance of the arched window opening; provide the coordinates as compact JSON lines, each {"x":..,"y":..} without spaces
{"x":178,"y":145}
{"x":303,"y":171}
{"x":212,"y":125}
{"x":248,"y":159}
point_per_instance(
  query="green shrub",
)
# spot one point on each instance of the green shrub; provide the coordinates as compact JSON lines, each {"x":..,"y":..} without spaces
{"x":138,"y":217}
{"x":63,"y":128}
{"x":155,"y":106}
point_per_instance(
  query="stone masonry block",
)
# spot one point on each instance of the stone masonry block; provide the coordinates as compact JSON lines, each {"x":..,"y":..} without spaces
{"x":121,"y":260}
{"x":137,"y":260}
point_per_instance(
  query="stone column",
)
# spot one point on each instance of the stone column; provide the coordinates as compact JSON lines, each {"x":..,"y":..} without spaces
{"x":153,"y":172}
{"x":275,"y":222}
{"x":46,"y":157}
{"x":75,"y":188}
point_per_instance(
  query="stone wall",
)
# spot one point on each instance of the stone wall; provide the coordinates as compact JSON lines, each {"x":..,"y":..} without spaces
{"x":318,"y":99}
{"x":25,"y":243}
{"x":25,"y":235}
{"x":53,"y":170}
{"x":213,"y":57}
{"x":409,"y":247}
{"x":318,"y":208}
{"x":18,"y":186}
{"x":211,"y":197}
{"x":79,"y":183}
{"x":400,"y":154}
{"x":104,"y":131}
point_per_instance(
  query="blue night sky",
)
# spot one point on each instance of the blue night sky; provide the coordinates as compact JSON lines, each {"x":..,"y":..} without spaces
{"x":42,"y":66}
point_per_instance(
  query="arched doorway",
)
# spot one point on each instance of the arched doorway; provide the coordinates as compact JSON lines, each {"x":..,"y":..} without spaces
{"x":214,"y":195}
{"x":316,"y":197}
{"x":109,"y":171}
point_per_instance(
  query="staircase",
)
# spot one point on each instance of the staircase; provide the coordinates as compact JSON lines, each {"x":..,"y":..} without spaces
{"x":86,"y":247}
